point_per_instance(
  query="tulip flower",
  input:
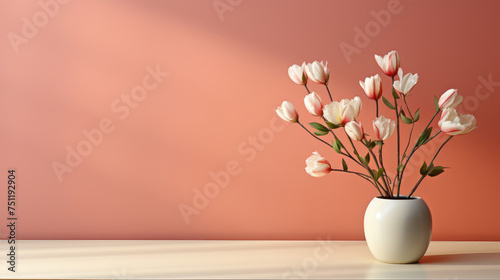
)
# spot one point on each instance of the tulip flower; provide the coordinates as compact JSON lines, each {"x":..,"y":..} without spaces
{"x":317,"y":166}
{"x":372,"y":87}
{"x":318,"y":72}
{"x":383,"y":127}
{"x":297,"y":74}
{"x":313,"y":104}
{"x":405,"y":83}
{"x":454,"y":123}
{"x":287,"y":112}
{"x":450,"y":99}
{"x":355,"y":130}
{"x":342,"y":112}
{"x":389,"y":63}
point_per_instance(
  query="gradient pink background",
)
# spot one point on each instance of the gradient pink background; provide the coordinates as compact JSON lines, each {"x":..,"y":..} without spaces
{"x":227,"y":75}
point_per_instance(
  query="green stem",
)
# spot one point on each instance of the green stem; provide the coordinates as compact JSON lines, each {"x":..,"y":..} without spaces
{"x":347,"y":154}
{"x":412,"y":126}
{"x":415,"y":148}
{"x":433,"y":117}
{"x":400,"y":178}
{"x":365,"y":166}
{"x":355,"y":152}
{"x":307,"y":89}
{"x":363,"y":176}
{"x":329,"y":94}
{"x":387,"y":194}
{"x":434,"y":136}
{"x":449,"y":138}
{"x":378,"y":165}
{"x":432,"y":161}
{"x":315,"y":135}
{"x":352,"y":172}
{"x":376,"y":105}
{"x":382,"y":164}
{"x":397,"y":128}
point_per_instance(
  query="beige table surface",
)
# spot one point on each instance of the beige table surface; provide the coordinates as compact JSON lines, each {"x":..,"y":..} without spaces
{"x":129,"y":259}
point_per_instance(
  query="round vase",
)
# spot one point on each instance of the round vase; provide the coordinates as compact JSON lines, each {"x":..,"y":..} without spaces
{"x":398,"y":230}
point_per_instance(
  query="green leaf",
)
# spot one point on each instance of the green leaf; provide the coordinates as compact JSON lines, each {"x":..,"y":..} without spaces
{"x":431,"y":166}
{"x":380,"y":172}
{"x":400,"y":167}
{"x":332,"y":125}
{"x":344,"y":165}
{"x":436,"y":104}
{"x":321,"y":133}
{"x":318,"y":126}
{"x":336,"y":147}
{"x":428,"y":135}
{"x":374,"y":174}
{"x":404,"y":118}
{"x":423,"y":169}
{"x":361,"y":159}
{"x":367,"y":158}
{"x":370,"y":144}
{"x":395,"y":94}
{"x":436,"y":171}
{"x":388,"y":103}
{"x":424,"y":136}
{"x":416,"y":117}
{"x":339,"y":143}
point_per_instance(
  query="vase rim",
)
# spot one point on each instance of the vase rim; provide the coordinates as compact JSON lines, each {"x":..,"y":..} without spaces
{"x":401,"y":197}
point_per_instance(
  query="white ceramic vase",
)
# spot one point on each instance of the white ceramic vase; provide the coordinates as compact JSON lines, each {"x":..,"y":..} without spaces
{"x":398,"y":230}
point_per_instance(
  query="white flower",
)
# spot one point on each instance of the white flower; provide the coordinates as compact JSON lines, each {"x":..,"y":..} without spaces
{"x":383,"y":127}
{"x":389,"y":63}
{"x":450,"y":99}
{"x":318,"y":72}
{"x":287,"y":112}
{"x":454,"y":123}
{"x":297,"y":74}
{"x":355,"y":130}
{"x":406,"y":82}
{"x":342,"y":112}
{"x":372,"y":87}
{"x":317,"y":166}
{"x":313,"y":104}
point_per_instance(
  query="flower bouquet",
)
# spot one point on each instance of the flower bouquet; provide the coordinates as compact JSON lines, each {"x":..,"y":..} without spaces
{"x":397,"y":227}
{"x":343,"y":114}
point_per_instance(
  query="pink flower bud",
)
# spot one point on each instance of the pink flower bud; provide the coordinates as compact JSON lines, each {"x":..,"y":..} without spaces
{"x":313,"y":104}
{"x":318,"y":72}
{"x":342,"y":112}
{"x":372,"y":87}
{"x":287,"y":112}
{"x":389,"y":63}
{"x":454,"y":123}
{"x":405,"y":83}
{"x":383,"y":127}
{"x":297,"y":74}
{"x":317,"y":166}
{"x":355,"y":130}
{"x":450,"y":99}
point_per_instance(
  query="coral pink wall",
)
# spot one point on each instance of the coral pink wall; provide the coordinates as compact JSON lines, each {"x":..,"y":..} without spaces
{"x":179,"y":96}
